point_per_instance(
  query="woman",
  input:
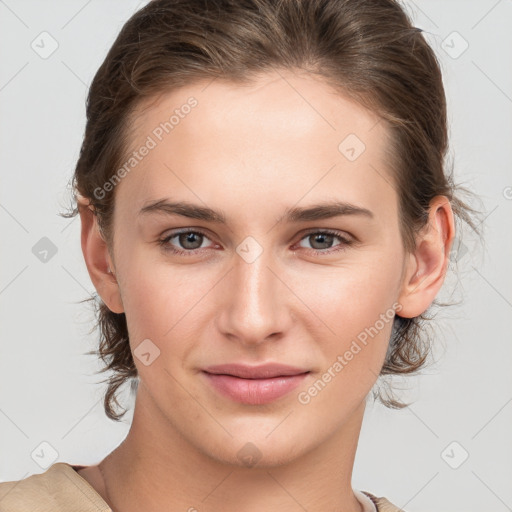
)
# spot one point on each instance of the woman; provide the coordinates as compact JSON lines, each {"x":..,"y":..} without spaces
{"x":266,"y":218}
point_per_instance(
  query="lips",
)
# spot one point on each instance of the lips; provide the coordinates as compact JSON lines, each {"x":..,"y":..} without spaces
{"x":264,"y":371}
{"x":254,"y":385}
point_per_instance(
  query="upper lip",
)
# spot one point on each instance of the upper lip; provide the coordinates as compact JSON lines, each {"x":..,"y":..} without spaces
{"x":255,"y":372}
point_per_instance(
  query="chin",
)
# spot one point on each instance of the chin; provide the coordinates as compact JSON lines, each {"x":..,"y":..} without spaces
{"x":258,"y":451}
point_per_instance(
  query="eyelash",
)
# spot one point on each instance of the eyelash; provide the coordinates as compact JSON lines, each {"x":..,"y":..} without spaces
{"x":345,"y":242}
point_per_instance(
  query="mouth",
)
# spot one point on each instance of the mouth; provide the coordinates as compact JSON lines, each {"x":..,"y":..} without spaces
{"x":254,"y":385}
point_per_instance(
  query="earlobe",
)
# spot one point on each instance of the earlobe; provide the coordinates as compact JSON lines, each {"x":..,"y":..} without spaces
{"x":426,"y":268}
{"x":97,"y":258}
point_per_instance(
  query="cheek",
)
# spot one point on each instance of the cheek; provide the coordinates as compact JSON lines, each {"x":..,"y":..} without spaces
{"x":352,"y":296}
{"x":160,"y":303}
{"x":355,"y":307}
{"x":359,"y":315}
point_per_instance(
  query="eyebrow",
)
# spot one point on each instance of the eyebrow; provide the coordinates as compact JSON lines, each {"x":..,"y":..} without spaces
{"x":320,"y":211}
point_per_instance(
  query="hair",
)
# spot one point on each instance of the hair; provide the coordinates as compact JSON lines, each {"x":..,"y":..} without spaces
{"x":368,"y":50}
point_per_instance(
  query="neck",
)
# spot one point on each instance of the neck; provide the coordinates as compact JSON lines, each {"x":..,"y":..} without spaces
{"x":156,"y":469}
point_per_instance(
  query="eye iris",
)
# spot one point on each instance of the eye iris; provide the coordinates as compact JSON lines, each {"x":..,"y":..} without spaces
{"x":324,"y":236}
{"x":186,"y":238}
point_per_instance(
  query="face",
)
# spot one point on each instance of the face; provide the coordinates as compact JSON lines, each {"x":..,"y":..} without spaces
{"x":276,"y":280}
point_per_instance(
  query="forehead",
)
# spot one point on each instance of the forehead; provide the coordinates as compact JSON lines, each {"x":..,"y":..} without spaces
{"x":296,"y":103}
{"x":279,"y":138}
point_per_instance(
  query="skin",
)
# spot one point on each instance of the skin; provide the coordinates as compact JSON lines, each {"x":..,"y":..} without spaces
{"x":253,"y":151}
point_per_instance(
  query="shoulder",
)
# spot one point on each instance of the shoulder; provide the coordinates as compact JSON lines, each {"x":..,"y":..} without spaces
{"x":55,"y":490}
{"x":383,"y":504}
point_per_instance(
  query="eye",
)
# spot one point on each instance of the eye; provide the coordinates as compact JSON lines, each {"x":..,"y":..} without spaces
{"x":190,"y":241}
{"x":324,"y":239}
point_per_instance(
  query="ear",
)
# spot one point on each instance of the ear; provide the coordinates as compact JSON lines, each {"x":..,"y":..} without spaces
{"x":426,"y":267}
{"x":97,"y":258}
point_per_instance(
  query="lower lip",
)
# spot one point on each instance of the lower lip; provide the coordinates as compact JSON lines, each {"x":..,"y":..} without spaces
{"x":254,"y":391}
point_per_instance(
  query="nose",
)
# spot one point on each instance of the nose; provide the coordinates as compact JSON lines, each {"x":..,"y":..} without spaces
{"x":256,"y":305}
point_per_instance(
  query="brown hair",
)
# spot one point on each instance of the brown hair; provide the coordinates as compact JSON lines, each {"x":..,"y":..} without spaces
{"x":367,"y":49}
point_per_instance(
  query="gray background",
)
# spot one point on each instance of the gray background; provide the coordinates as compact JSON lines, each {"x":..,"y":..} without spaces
{"x":49,"y":392}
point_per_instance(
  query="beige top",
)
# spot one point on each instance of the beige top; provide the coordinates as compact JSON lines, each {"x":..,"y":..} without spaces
{"x":61,"y":489}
